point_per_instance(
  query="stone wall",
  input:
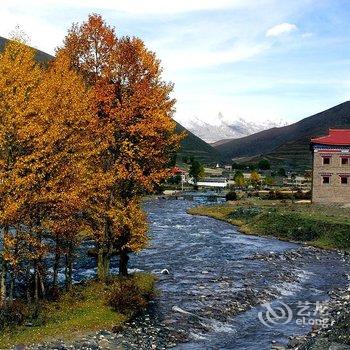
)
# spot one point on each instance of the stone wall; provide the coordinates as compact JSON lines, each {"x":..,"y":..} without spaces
{"x":335,"y":191}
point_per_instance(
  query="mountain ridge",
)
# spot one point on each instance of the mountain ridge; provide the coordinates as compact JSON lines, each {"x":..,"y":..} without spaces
{"x":288,"y":145}
{"x":40,"y":56}
{"x":192,"y":145}
{"x":228,"y":129}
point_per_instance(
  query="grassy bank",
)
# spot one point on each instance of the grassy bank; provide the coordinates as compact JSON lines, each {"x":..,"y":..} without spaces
{"x":87,"y":308}
{"x":320,"y":226}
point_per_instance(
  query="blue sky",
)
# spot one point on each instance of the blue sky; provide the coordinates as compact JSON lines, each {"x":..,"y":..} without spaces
{"x":259,"y":60}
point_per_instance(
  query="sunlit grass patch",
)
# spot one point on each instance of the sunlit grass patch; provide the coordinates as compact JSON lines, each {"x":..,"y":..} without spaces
{"x":321,"y":226}
{"x":77,"y":313}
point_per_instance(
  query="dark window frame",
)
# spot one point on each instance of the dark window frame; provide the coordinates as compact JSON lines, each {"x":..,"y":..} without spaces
{"x":344,"y":160}
{"x":324,"y":177}
{"x":328,"y":159}
{"x":346,"y":178}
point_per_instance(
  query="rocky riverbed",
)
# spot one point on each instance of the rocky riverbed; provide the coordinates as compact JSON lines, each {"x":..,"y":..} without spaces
{"x":336,"y":334}
{"x":214,"y":284}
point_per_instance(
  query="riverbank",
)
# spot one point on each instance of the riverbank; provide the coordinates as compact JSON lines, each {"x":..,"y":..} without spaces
{"x":319,"y":226}
{"x":84,"y":310}
{"x":337,"y":335}
{"x":331,"y":331}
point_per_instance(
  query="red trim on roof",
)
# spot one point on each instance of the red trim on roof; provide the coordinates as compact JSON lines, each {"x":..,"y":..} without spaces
{"x":339,"y":137}
{"x":176,"y":170}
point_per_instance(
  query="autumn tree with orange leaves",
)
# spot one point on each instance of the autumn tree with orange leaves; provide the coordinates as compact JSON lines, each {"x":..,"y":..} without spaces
{"x":47,"y":145}
{"x":19,"y":78}
{"x":134,"y":111}
{"x":63,"y":132}
{"x":82,"y":139}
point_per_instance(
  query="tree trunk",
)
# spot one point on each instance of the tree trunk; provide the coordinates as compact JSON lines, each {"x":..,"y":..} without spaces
{"x":3,"y":271}
{"x":41,"y":283}
{"x":36,"y":284}
{"x":103,"y":263}
{"x":56,"y":265}
{"x":100,"y":265}
{"x":104,"y":254}
{"x":123,"y":263}
{"x":3,"y":283}
{"x":28,"y":291}
{"x":13,"y":270}
{"x":69,"y":268}
{"x":12,"y":285}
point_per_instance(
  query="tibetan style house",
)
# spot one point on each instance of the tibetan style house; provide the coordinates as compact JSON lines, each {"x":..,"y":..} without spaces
{"x":331,"y":167}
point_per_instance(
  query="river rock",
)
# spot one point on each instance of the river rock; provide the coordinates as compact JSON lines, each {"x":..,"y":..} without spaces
{"x":20,"y":347}
{"x":294,"y":342}
{"x":278,"y":347}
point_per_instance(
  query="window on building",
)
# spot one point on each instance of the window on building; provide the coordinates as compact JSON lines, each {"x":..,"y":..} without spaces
{"x":326,"y":160}
{"x":344,"y":180}
{"x":326,"y":180}
{"x":344,"y":161}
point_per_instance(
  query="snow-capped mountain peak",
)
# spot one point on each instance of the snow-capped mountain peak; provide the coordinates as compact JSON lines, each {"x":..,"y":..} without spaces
{"x":224,"y":129}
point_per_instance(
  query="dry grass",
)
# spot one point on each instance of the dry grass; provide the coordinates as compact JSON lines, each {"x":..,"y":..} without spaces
{"x":74,"y":315}
{"x":318,"y":225}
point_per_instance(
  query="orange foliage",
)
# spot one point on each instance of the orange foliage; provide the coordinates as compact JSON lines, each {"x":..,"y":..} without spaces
{"x":134,"y":110}
{"x":81,"y":140}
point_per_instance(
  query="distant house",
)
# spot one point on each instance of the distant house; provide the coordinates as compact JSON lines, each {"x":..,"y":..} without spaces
{"x":216,"y":172}
{"x":298,"y":181}
{"x":178,"y":171}
{"x":331,"y":167}
{"x":212,"y":183}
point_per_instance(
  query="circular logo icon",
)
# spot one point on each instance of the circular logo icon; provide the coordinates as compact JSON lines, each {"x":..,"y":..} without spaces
{"x":279,"y":313}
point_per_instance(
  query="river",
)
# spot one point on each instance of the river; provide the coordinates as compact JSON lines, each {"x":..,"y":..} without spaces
{"x":218,"y":280}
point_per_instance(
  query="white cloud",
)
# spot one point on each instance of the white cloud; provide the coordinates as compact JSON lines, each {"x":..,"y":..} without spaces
{"x":201,"y":58}
{"x":280,"y":29}
{"x":307,"y":35}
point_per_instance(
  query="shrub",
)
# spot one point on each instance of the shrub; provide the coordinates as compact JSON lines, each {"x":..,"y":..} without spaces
{"x":301,"y":195}
{"x":15,"y":314}
{"x":130,"y":295}
{"x":308,"y":195}
{"x":245,"y":213}
{"x":272,"y":195}
{"x":125,"y":297}
{"x":253,"y":194}
{"x":231,"y":196}
{"x":283,"y":195}
{"x":264,"y":164}
{"x":298,"y":194}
